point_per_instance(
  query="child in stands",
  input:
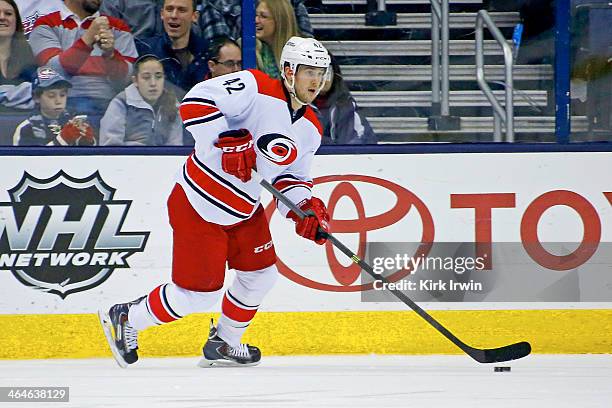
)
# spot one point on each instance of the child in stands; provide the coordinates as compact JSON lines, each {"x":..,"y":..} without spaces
{"x":51,"y":124}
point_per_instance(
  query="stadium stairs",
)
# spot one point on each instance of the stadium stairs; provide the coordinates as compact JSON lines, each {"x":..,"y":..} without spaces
{"x":388,"y":70}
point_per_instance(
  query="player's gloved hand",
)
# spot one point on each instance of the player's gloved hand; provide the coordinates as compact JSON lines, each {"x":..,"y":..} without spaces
{"x":69,"y":134}
{"x":238,"y":154}
{"x":317,"y":217}
{"x":88,"y":137}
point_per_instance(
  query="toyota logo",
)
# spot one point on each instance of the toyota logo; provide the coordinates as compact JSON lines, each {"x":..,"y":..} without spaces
{"x":346,"y":276}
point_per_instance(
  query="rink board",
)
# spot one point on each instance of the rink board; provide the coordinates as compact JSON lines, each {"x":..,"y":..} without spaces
{"x":314,"y":308}
{"x":315,"y":333}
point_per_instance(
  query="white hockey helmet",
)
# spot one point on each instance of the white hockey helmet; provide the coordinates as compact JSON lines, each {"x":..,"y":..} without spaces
{"x":303,"y":51}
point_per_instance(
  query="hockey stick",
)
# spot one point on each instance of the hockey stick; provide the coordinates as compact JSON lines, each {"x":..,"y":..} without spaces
{"x":494,"y":355}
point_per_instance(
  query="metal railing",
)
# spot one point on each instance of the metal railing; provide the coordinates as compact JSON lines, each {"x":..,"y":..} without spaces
{"x":440,"y":118}
{"x":439,"y":80}
{"x":439,"y":61}
{"x":507,"y":116}
{"x":381,"y":5}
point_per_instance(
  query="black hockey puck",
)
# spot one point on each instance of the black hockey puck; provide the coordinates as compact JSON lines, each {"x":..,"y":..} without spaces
{"x":501,"y":369}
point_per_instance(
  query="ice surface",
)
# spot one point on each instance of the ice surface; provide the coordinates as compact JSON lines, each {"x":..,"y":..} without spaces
{"x":540,"y":381}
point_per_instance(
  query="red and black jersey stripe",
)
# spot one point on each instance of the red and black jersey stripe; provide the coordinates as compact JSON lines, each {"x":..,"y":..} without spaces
{"x":216,"y":190}
{"x":195,"y":111}
{"x":288,"y":182}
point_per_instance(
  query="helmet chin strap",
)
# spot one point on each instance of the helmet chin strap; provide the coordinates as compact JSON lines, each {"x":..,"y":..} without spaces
{"x":293,"y":93}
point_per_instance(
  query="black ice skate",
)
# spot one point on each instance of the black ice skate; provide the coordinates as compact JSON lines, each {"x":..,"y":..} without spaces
{"x":218,"y":353}
{"x":122,"y":338}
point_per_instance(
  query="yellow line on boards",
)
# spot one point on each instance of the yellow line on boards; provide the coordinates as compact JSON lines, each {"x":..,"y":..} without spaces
{"x":310,"y":333}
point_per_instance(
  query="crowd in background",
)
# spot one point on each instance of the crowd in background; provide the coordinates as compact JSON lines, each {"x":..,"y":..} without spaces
{"x":66,"y":59}
{"x":112,"y":72}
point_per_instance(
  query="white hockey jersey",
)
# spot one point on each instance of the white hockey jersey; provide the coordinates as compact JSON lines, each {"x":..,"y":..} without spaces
{"x":31,"y":10}
{"x":285,"y":145}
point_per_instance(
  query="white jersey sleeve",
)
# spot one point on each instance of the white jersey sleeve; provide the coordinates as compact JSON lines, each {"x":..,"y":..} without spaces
{"x":295,"y":183}
{"x":210,"y":105}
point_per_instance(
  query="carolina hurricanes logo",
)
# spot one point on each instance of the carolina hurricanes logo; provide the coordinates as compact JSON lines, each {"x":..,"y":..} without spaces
{"x":277,"y":148}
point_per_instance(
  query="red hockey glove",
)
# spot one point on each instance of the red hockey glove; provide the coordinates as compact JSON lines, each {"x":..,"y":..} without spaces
{"x":88,"y":137}
{"x":70,"y":133}
{"x":317,"y":217}
{"x":238,"y":154}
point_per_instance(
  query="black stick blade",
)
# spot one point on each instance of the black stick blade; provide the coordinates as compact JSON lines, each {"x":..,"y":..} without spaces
{"x":497,"y":355}
{"x":501,"y":354}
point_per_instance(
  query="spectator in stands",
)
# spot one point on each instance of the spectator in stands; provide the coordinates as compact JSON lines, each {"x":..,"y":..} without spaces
{"x":181,"y":50}
{"x":220,"y":18}
{"x":141,"y":15}
{"x":274,"y":24}
{"x":51,"y":124}
{"x":146,"y":113}
{"x":339,"y":114}
{"x":224,"y":57}
{"x":17,"y":65}
{"x":31,"y":10}
{"x":94,"y":52}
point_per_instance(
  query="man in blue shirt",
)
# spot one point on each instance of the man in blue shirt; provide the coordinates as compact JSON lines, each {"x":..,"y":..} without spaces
{"x":180,"y":49}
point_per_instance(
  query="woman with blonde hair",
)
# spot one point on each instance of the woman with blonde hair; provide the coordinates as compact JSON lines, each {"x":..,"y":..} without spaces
{"x":275,"y":23}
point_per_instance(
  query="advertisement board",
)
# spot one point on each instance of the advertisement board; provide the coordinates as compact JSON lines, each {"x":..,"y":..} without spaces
{"x":80,"y":233}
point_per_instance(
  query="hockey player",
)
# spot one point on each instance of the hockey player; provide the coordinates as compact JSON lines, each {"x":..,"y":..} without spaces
{"x":240,"y":122}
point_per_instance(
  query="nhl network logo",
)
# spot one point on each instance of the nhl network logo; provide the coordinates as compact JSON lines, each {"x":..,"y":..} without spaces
{"x":63,"y":235}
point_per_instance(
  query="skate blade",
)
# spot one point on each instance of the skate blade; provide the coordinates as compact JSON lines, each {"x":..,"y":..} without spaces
{"x":107,"y":327}
{"x":205,"y":363}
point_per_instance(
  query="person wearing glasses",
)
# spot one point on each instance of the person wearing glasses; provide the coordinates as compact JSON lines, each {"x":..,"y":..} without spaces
{"x":275,"y":23}
{"x":224,"y":57}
